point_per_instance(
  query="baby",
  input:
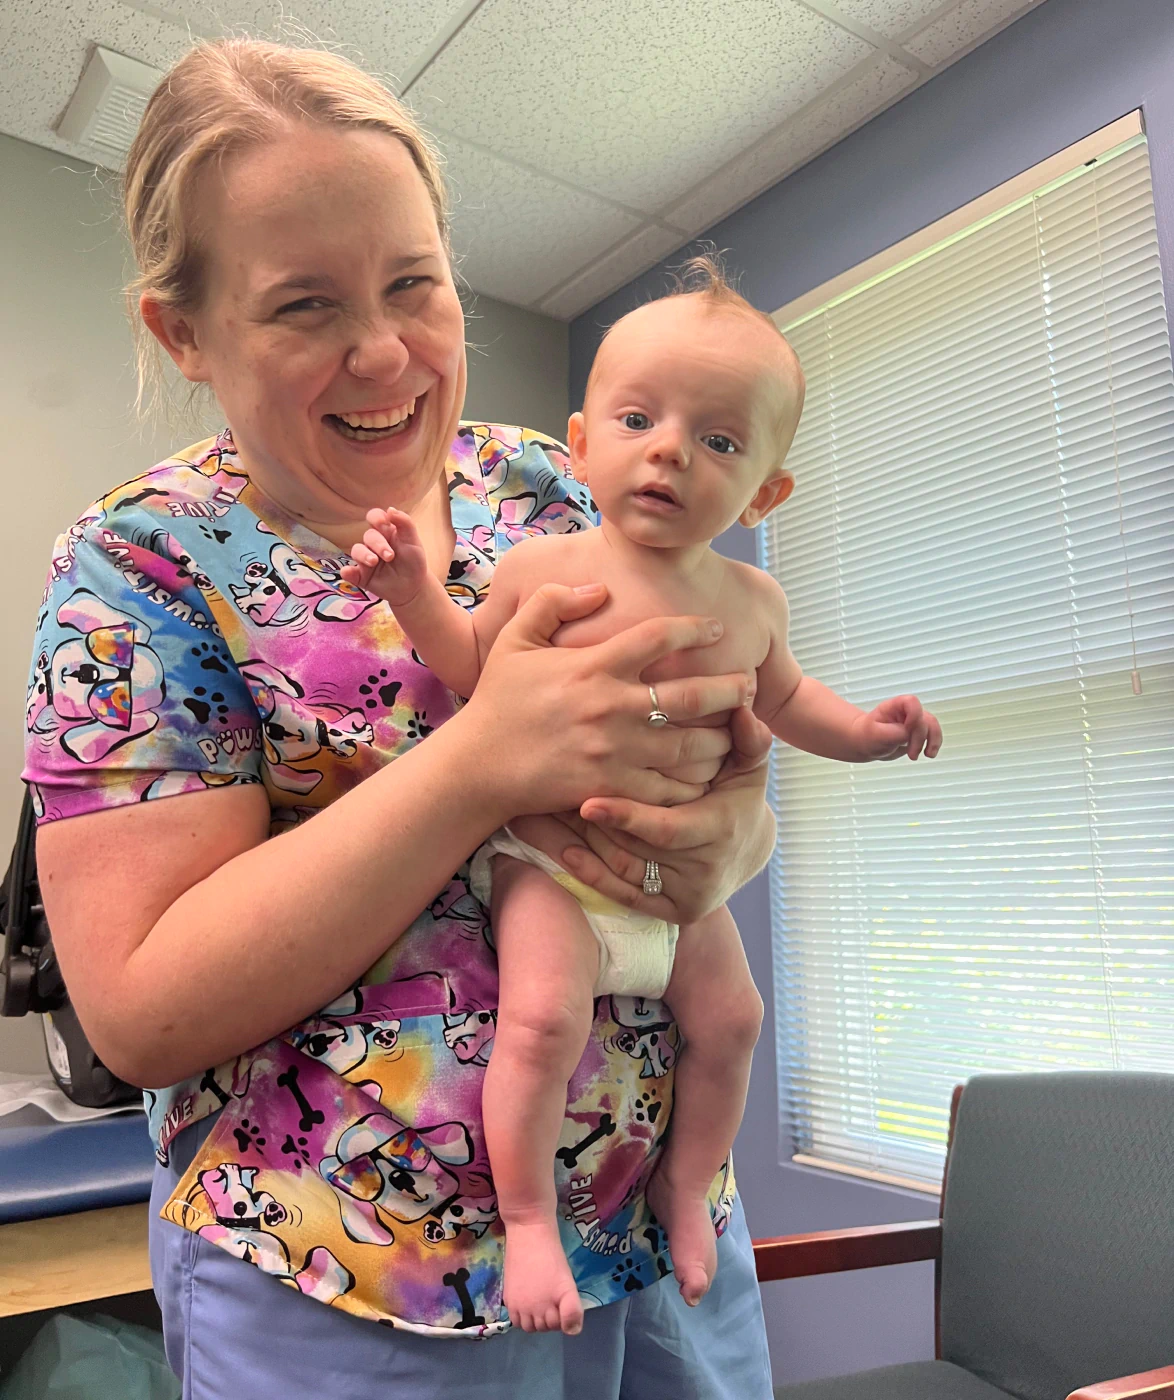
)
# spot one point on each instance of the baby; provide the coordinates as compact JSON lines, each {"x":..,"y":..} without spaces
{"x":690,"y":409}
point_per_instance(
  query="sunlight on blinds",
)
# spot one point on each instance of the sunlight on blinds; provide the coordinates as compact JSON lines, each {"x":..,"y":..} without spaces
{"x":983,"y":516}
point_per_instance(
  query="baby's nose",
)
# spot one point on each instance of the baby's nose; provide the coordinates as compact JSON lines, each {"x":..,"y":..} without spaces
{"x":669,"y":449}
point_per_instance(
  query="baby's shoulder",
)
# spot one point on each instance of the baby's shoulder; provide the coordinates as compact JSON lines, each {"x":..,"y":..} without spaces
{"x":755,"y":593}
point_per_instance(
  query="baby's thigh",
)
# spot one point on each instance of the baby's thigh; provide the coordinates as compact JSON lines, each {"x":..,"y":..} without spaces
{"x":548,"y":957}
{"x":711,"y":993}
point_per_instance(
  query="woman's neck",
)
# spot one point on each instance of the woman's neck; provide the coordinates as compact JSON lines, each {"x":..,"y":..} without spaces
{"x":427,"y":502}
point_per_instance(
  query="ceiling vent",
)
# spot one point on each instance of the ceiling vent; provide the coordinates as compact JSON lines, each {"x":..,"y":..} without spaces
{"x":104,"y":113}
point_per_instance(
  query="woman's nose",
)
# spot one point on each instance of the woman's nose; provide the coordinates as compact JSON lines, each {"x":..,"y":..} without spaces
{"x":379,"y":354}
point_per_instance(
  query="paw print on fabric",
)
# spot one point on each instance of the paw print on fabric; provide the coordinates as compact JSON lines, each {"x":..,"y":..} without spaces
{"x":647,"y":1109}
{"x":296,"y":1150}
{"x":248,"y":1135}
{"x":386,"y":690}
{"x":625,"y":1273}
{"x":418,"y":728}
{"x":210,"y":657}
{"x":657,"y":1242}
{"x":200,"y":703}
{"x":219,"y":536}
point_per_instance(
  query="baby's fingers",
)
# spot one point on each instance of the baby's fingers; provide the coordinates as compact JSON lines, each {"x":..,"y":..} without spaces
{"x":378,"y":545}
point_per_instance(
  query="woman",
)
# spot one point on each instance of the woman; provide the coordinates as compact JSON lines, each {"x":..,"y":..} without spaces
{"x":198,"y":643}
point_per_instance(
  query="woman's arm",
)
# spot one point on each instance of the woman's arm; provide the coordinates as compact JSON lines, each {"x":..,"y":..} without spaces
{"x":186,"y":937}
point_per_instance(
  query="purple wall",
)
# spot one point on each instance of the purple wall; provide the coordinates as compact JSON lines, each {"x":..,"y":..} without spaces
{"x":1063,"y":71}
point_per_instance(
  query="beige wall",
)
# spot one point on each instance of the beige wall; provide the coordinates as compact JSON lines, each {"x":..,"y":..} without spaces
{"x":66,"y":391}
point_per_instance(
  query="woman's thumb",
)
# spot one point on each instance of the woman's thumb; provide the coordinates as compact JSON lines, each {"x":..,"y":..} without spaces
{"x":540,"y":617}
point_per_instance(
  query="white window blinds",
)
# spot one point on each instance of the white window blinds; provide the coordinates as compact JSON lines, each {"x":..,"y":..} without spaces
{"x":983,"y":512}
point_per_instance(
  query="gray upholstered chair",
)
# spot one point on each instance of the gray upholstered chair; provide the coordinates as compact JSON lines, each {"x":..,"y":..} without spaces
{"x":1054,"y":1250}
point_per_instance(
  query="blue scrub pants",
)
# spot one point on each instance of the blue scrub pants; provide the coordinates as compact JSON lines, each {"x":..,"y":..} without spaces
{"x":232,"y":1331}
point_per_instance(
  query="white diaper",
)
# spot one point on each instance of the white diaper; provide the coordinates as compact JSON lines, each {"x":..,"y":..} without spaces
{"x":635,"y":950}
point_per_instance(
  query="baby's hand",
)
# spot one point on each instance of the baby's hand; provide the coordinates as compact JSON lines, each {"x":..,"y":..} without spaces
{"x":389,"y":559}
{"x":896,"y":727}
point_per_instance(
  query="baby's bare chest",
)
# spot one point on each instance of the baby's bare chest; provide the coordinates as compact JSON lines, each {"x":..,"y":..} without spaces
{"x":634,"y":598}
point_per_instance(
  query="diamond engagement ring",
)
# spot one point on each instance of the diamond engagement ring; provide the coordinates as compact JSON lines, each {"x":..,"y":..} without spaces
{"x":656,"y":716}
{"x":652,"y":884}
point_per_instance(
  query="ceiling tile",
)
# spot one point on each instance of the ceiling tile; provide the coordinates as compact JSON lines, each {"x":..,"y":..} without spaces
{"x":43,"y":48}
{"x":383,"y":36}
{"x":633,"y":101}
{"x":44,"y":43}
{"x":632,"y":257}
{"x":794,"y":143}
{"x":964,"y":28}
{"x":889,"y":17}
{"x":517,"y":235}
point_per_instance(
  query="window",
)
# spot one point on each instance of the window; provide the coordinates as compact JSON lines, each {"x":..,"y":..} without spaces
{"x":983,"y":516}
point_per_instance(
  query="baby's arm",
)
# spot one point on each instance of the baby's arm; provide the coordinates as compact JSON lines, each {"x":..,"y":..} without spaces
{"x":452,"y":641}
{"x":807,"y":715}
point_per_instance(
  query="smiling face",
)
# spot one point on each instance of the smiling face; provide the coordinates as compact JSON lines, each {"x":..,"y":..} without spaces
{"x":689,"y":413}
{"x":330,"y":328}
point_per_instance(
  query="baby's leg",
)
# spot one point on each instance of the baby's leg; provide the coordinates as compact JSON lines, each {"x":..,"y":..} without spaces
{"x":717,"y":1006}
{"x":549,"y":961}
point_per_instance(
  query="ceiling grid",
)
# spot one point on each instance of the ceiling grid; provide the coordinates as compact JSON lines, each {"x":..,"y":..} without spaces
{"x":617,"y":129}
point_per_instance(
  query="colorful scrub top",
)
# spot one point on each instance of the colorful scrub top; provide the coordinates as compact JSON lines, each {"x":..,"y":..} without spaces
{"x":192,"y":635}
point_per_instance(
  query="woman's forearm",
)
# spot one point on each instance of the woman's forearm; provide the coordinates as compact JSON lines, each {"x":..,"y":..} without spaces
{"x":242,"y":956}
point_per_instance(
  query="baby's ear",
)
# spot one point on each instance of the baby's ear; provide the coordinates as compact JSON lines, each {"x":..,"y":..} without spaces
{"x":577,"y":443}
{"x":773,"y":492}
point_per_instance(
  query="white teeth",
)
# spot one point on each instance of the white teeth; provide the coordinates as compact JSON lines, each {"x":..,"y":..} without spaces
{"x":390,"y":419}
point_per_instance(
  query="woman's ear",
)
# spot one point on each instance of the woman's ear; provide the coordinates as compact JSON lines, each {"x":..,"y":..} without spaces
{"x":773,"y":492}
{"x":577,"y":443}
{"x":177,"y":335}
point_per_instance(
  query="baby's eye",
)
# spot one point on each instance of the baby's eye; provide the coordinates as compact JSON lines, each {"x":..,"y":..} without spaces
{"x":718,"y":442}
{"x":637,"y":421}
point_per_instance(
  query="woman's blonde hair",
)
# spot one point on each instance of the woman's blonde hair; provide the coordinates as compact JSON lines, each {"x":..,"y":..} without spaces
{"x":222,"y":97}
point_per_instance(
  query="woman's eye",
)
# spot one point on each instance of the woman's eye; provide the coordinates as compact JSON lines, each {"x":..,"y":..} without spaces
{"x":304,"y":304}
{"x":718,"y":442}
{"x":637,"y":421}
{"x":407,"y":284}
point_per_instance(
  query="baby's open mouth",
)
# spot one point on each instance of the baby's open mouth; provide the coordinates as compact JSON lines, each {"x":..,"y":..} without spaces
{"x":655,"y":493}
{"x":373,"y":426}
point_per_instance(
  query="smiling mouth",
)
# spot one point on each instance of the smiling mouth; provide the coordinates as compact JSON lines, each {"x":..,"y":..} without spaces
{"x":377,"y":425}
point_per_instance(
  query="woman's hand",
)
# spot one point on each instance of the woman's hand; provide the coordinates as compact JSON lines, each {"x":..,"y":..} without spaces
{"x":576,"y":718}
{"x":705,"y":850}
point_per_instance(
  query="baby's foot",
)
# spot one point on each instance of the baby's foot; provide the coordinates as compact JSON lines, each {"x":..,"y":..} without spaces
{"x":692,"y":1241}
{"x":540,"y":1293}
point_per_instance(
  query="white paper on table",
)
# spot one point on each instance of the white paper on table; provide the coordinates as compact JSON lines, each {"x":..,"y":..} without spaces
{"x":40,"y":1092}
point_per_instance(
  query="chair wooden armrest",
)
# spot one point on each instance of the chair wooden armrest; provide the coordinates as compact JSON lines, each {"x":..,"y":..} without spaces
{"x":1145,"y":1384}
{"x":867,"y":1247}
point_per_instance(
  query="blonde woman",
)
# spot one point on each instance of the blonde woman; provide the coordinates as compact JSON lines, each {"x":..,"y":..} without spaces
{"x":205,"y":682}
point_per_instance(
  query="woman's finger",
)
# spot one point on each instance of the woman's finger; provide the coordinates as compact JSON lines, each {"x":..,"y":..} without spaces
{"x":657,"y":827}
{"x":631,"y":652}
{"x":545,"y":611}
{"x":585,"y":865}
{"x":697,"y":696}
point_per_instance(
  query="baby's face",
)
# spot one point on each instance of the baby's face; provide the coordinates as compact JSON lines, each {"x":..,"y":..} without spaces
{"x":689,"y":414}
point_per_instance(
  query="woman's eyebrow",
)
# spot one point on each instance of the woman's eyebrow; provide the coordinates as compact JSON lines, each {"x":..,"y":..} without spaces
{"x":301,"y":282}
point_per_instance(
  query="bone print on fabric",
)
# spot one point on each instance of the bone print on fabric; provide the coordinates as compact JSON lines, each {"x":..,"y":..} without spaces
{"x":193,"y":637}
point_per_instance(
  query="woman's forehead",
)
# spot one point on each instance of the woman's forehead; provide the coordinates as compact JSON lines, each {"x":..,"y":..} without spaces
{"x":316,"y":200}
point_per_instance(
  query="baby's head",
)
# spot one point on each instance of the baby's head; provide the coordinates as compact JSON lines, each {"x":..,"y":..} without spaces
{"x":691,"y":406}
